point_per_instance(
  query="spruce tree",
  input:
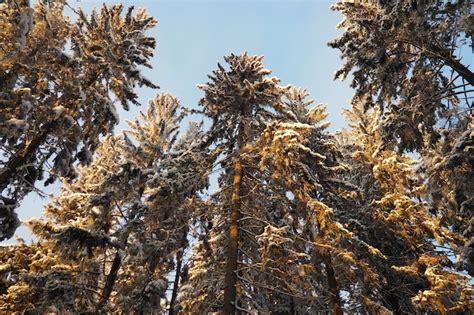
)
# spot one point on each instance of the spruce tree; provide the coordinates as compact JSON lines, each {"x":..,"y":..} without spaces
{"x":411,"y":60}
{"x":239,"y":101}
{"x":269,"y":240}
{"x":415,"y":273}
{"x":109,"y":240}
{"x":60,"y":81}
{"x":304,"y":221}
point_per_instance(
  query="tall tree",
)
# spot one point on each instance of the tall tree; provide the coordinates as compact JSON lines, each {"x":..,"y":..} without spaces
{"x":409,"y":59}
{"x":110,"y":238}
{"x":303,"y":221}
{"x":416,"y":273}
{"x":239,"y":101}
{"x":59,"y":85}
{"x":269,"y":238}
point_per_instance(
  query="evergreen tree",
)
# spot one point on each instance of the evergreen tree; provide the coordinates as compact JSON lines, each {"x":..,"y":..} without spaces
{"x":59,"y":84}
{"x":303,"y":222}
{"x":270,"y":239}
{"x":415,"y":273}
{"x":406,"y":58}
{"x":239,"y":101}
{"x":110,"y":238}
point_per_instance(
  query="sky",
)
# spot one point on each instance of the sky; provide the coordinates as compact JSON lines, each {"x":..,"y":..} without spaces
{"x":193,"y":35}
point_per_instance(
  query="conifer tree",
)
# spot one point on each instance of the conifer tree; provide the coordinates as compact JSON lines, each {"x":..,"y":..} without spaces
{"x":289,"y":254}
{"x":110,"y":238}
{"x":60,"y":81}
{"x":409,"y":59}
{"x":416,"y":273}
{"x":239,"y":101}
{"x":303,"y":222}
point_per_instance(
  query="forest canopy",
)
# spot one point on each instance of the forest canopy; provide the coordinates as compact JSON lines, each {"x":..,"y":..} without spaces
{"x":376,"y":218}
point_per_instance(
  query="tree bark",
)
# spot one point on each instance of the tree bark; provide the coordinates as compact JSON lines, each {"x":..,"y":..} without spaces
{"x":230,"y":282}
{"x":333,"y":288}
{"x":10,"y":171}
{"x":230,"y":290}
{"x":112,"y":276}
{"x":179,"y":263}
{"x":110,"y":281}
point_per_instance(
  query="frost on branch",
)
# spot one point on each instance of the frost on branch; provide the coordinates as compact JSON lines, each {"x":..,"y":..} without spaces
{"x":275,"y":148}
{"x":59,"y":82}
{"x":407,"y":61}
{"x":120,"y":225}
{"x":391,"y":217}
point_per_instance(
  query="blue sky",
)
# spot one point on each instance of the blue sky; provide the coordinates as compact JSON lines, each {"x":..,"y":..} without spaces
{"x":194,"y":35}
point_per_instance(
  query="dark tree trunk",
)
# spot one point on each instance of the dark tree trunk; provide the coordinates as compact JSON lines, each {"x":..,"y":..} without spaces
{"x":333,"y":288}
{"x":24,"y":156}
{"x":110,"y":281}
{"x":179,"y":264}
{"x":447,"y":56}
{"x":455,"y":64}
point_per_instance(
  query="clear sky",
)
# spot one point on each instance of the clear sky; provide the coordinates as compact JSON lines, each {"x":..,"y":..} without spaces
{"x":194,"y":35}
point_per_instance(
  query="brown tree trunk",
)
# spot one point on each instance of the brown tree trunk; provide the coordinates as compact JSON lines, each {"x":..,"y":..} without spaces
{"x":230,"y":290}
{"x":333,"y":288}
{"x":230,"y":282}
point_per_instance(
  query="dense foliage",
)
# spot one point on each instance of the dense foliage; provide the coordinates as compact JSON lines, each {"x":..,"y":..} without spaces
{"x":411,"y":60}
{"x":372,"y":219}
{"x":59,"y":85}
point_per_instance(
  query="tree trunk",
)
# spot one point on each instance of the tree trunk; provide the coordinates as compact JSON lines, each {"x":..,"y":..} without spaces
{"x":446,"y":56}
{"x":179,"y":263}
{"x":110,"y":281}
{"x":112,"y":276}
{"x":333,"y":289}
{"x":230,"y":290}
{"x":230,"y":282}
